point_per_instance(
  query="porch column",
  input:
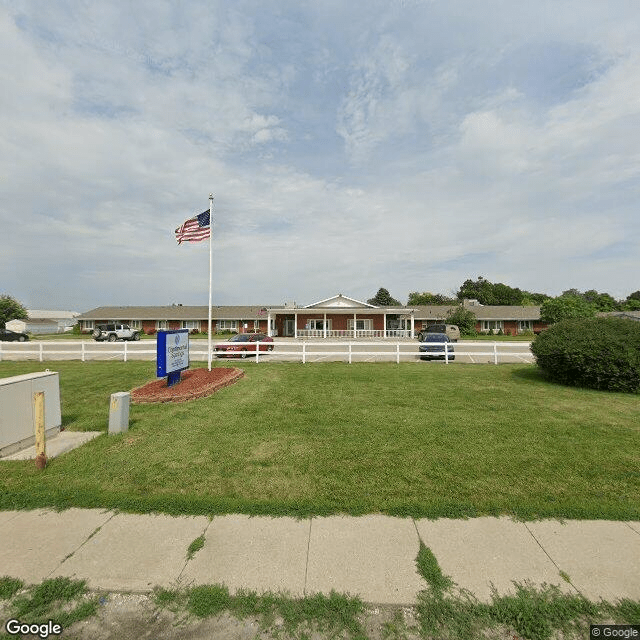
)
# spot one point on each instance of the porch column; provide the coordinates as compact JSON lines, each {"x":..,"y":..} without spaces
{"x":324,"y":324}
{"x":269,"y":324}
{"x":384,"y":326}
{"x":295,"y":325}
{"x":412,"y":326}
{"x":354,"y":325}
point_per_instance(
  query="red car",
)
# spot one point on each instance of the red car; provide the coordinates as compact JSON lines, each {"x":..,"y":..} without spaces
{"x":244,"y":345}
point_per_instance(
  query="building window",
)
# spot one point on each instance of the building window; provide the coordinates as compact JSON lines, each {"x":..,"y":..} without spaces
{"x":87,"y":325}
{"x":318,"y":324}
{"x":365,"y":324}
{"x":256,"y":325}
{"x":135,"y":324}
{"x":227,"y":325}
{"x":191,"y":325}
{"x":492,"y":326}
{"x":161,"y":325}
{"x":525,"y":325}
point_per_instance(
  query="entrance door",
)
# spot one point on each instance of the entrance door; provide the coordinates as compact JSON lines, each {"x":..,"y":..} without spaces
{"x":289,"y":327}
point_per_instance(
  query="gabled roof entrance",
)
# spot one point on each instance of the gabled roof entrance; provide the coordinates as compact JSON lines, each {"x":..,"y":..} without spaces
{"x":341,"y":302}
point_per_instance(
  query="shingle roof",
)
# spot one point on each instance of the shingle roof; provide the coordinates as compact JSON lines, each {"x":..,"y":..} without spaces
{"x":482,"y":312}
{"x":256,"y":312}
{"x":629,"y":315}
{"x":176,"y":312}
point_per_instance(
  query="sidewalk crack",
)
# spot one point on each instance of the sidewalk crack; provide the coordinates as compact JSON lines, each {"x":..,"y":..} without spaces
{"x":306,"y":565}
{"x":563,"y":574}
{"x":93,"y":533}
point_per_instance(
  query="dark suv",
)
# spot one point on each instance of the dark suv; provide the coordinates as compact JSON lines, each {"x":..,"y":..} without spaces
{"x":433,"y":346}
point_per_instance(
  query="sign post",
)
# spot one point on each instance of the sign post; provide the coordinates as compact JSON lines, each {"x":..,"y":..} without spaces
{"x":172,"y":354}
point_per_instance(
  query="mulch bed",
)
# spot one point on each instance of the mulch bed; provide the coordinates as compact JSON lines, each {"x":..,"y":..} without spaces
{"x":194,"y":383}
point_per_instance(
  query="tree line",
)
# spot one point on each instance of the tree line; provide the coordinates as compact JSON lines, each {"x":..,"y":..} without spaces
{"x":571,"y":303}
{"x":490,"y":293}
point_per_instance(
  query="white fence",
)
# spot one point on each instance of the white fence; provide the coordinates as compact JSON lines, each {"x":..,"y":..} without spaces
{"x":294,"y":350}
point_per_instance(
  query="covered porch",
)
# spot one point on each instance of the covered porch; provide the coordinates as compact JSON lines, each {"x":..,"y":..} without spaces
{"x":341,"y":317}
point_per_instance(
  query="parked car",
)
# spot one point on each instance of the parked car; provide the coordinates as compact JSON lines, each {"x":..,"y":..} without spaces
{"x":13,"y":336}
{"x":113,"y":332}
{"x":450,"y":330}
{"x":433,"y":346}
{"x":244,"y":344}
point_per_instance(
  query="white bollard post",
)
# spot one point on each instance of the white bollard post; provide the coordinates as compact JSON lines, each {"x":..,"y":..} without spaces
{"x":119,"y":412}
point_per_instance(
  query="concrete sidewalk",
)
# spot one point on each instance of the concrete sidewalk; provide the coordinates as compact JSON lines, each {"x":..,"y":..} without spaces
{"x":372,"y":556}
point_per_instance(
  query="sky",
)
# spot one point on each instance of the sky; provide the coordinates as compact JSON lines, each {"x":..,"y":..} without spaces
{"x":404,"y":144}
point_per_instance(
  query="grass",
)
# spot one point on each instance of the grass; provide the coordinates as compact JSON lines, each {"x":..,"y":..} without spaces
{"x":195,"y":546}
{"x":335,"y":614}
{"x":442,"y":611}
{"x":292,"y":439}
{"x":63,"y":600}
{"x":534,"y":613}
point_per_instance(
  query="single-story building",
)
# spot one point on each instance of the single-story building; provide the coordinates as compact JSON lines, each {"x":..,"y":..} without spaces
{"x":42,"y":321}
{"x":335,"y":317}
{"x":627,"y":315}
{"x":240,"y":319}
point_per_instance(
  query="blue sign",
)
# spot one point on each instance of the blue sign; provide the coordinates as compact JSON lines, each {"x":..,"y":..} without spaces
{"x":172,"y":354}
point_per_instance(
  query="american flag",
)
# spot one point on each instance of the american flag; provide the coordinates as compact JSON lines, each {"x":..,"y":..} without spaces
{"x":194,"y":229}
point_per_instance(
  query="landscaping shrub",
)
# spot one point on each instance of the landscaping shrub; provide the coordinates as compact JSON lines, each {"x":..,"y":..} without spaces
{"x":464,"y":319}
{"x":598,"y":353}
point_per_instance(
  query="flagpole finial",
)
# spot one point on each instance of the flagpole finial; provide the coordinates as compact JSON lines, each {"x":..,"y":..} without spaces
{"x":211,"y":196}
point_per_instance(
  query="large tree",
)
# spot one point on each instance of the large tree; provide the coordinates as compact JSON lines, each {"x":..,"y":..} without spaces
{"x":11,"y":309}
{"x":566,"y":306}
{"x":486,"y":292}
{"x":426,"y":297}
{"x":383,"y":299}
{"x":601,"y":301}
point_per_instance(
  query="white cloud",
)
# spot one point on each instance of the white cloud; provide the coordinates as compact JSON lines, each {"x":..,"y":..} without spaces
{"x":411,"y":147}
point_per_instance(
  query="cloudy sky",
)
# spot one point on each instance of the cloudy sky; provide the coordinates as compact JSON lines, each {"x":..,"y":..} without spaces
{"x":405,"y":144}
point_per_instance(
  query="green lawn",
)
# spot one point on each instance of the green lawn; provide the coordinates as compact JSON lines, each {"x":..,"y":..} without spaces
{"x":412,"y":439}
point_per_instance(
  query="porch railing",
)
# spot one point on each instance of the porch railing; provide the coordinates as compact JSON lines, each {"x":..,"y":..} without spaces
{"x":350,"y":333}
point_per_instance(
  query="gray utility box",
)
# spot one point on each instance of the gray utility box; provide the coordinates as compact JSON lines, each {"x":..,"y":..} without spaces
{"x":17,"y":428}
{"x":119,"y":412}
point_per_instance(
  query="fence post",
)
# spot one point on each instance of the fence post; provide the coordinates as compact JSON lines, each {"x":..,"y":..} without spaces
{"x":125,"y":350}
{"x":41,"y":352}
{"x":0,"y":351}
{"x":446,"y":353}
{"x":397,"y":353}
{"x":349,"y":353}
{"x":82,"y":352}
{"x":495,"y":353}
{"x":257,"y":352}
{"x":304,"y":354}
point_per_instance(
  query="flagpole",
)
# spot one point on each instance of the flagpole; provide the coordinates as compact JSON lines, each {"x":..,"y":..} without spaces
{"x":210,"y":274}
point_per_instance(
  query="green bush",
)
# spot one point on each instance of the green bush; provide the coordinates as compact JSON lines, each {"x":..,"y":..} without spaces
{"x":598,"y":353}
{"x":464,"y":319}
